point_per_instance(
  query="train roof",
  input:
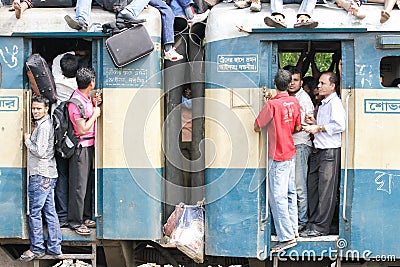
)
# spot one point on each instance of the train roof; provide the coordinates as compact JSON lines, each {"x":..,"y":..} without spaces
{"x":50,"y":22}
{"x":224,"y":19}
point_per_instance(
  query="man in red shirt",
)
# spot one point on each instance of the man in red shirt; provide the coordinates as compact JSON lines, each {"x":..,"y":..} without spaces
{"x":281,"y":115}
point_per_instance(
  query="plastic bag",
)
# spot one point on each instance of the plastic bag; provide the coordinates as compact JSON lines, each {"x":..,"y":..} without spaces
{"x":189,"y":233}
{"x":173,"y":219}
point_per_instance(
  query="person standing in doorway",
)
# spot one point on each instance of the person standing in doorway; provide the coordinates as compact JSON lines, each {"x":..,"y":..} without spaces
{"x":281,"y":115}
{"x":324,"y":172}
{"x":303,"y":144}
{"x":42,"y":173}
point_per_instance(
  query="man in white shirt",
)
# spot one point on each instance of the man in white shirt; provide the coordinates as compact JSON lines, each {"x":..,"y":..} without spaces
{"x":64,"y":72}
{"x":324,"y":175}
{"x":303,"y":144}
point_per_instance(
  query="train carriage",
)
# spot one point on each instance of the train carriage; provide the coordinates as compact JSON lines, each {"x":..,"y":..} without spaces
{"x":242,"y":56}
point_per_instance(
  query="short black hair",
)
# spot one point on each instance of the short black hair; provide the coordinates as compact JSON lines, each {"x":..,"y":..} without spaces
{"x":40,"y":99}
{"x":84,"y":76}
{"x":69,"y":65}
{"x":293,"y":70}
{"x":311,"y":82}
{"x":282,"y":79}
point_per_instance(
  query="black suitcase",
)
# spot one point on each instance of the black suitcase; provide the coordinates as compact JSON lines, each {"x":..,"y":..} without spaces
{"x":52,"y":3}
{"x":129,"y":45}
{"x":41,"y":78}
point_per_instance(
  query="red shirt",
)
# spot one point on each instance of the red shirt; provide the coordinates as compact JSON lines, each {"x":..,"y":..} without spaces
{"x":281,"y":114}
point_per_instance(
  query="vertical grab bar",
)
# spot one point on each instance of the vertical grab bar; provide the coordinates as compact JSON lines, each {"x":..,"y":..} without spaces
{"x":96,"y":213}
{"x":28,"y":129}
{"x":346,"y":158}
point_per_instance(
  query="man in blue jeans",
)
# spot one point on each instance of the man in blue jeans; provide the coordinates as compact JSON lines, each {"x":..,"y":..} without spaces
{"x":128,"y":15}
{"x":42,"y":180}
{"x":281,"y":115}
{"x":303,"y":144}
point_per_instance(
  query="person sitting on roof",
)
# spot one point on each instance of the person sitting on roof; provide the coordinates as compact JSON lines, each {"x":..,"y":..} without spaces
{"x":277,"y":19}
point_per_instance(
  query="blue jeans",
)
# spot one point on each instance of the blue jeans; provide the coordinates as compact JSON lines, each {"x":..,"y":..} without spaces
{"x":83,"y":9}
{"x":61,"y":191}
{"x":167,"y":19}
{"x":137,"y":6}
{"x":306,"y":6}
{"x":178,"y":7}
{"x":301,"y":166}
{"x":41,"y":199}
{"x":282,"y":198}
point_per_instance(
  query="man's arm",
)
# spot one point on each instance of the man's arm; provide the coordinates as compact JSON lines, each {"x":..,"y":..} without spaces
{"x":84,"y":125}
{"x":39,"y":146}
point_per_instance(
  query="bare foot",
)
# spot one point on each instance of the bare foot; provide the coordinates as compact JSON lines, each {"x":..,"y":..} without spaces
{"x":17,"y":8}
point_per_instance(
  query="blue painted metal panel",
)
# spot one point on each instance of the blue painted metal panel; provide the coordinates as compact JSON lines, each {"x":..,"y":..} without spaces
{"x":375,"y":212}
{"x":11,"y":201}
{"x":132,"y":203}
{"x":12,"y":62}
{"x":233,"y":63}
{"x":235,"y":203}
{"x":144,"y":72}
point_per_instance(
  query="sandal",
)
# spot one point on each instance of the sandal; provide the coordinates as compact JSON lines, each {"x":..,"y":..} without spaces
{"x":304,"y":21}
{"x":274,"y":22}
{"x":26,"y":257}
{"x":384,"y":16}
{"x":82,"y":230}
{"x":172,"y":55}
{"x":90,"y":223}
{"x":282,"y":246}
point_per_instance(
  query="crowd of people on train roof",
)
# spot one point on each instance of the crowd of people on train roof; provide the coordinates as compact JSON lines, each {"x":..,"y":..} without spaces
{"x":197,"y":10}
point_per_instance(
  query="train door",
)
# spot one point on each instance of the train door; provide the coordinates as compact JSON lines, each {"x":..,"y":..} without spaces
{"x":131,"y":157}
{"x":324,"y":56}
{"x":237,"y":221}
{"x":12,"y":114}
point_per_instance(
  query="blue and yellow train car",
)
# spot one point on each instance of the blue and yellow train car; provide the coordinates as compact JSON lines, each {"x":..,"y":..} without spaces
{"x":128,"y":181}
{"x":242,"y":57}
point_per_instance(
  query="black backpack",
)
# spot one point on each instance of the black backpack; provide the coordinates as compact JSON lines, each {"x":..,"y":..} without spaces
{"x":65,"y":140}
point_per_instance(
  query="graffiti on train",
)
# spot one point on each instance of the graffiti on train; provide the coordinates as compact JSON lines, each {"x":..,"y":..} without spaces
{"x":384,"y":180}
{"x":9,"y":56}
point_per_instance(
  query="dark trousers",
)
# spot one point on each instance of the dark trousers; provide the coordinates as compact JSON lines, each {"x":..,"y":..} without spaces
{"x":322,"y":188}
{"x":61,"y":191}
{"x":80,"y":186}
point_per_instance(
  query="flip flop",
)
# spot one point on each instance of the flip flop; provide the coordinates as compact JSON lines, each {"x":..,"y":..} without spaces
{"x":310,"y":24}
{"x":273,"y":22}
{"x":82,"y":230}
{"x":26,"y":257}
{"x":384,"y":16}
{"x":90,"y":223}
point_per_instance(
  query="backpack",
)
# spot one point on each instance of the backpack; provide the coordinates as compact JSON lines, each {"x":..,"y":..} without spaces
{"x":65,"y":140}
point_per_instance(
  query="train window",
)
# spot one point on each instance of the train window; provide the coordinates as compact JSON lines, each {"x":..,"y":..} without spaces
{"x":390,"y":71}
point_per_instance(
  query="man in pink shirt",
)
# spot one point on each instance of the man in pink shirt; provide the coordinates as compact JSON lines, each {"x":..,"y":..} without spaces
{"x":80,"y":190}
{"x":281,"y":115}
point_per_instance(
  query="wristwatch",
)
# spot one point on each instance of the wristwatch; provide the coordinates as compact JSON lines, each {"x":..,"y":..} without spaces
{"x":320,"y":128}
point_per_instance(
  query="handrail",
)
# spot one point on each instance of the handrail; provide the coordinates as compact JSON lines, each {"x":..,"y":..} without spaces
{"x":96,"y":213}
{"x":346,"y":158}
{"x":28,"y":129}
